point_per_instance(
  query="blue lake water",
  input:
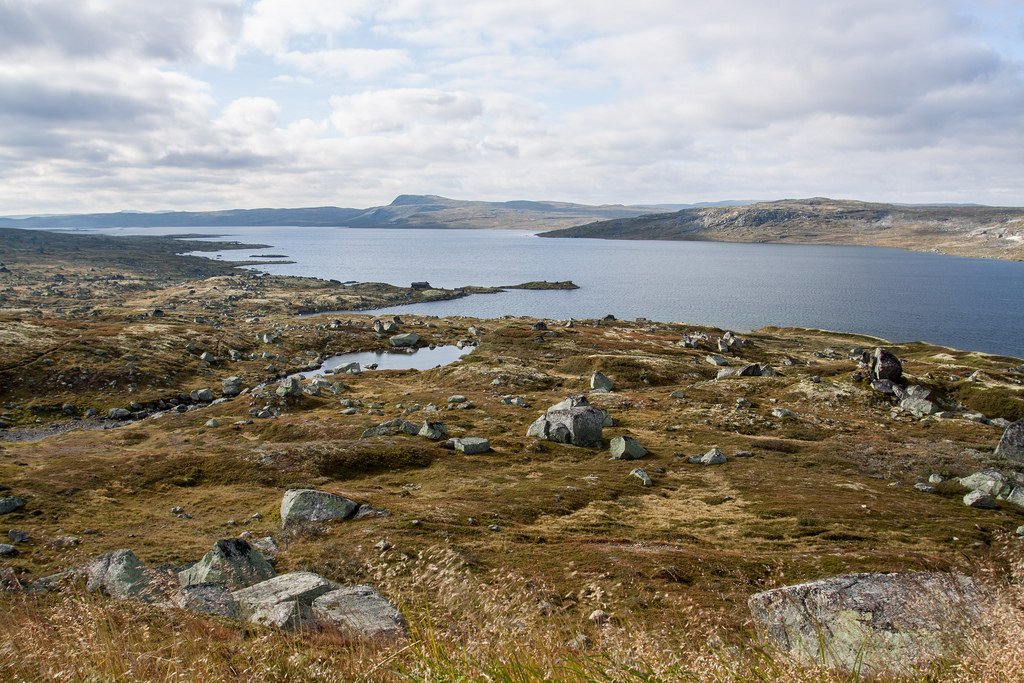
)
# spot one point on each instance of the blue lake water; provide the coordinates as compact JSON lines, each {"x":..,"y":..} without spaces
{"x":421,"y":359}
{"x":975,"y":304}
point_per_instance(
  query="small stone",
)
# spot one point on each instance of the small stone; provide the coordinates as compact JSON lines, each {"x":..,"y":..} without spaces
{"x":599,"y":382}
{"x":472,"y":445}
{"x":645,"y":479}
{"x":383,"y":545}
{"x":599,"y":616}
{"x":626,"y":448}
{"x":6,"y":550}
{"x":713,"y":457}
{"x":18,"y":536}
{"x":10,"y":504}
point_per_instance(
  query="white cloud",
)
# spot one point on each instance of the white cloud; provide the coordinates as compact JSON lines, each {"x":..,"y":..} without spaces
{"x":114,"y":104}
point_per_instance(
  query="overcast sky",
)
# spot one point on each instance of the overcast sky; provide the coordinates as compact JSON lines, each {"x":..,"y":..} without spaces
{"x":150,"y":104}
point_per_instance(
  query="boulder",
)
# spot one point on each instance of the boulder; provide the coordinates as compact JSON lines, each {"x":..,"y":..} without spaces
{"x":289,"y":386}
{"x":202,"y":396}
{"x":284,"y":601}
{"x":715,"y":359}
{"x":980,"y":500}
{"x":992,"y":482}
{"x":713,"y":457}
{"x":472,"y":445}
{"x":919,"y":407}
{"x":639,"y":473}
{"x":884,"y":386}
{"x":231,"y":386}
{"x":392,"y":428}
{"x":573,"y":421}
{"x":232,"y":562}
{"x":208,"y":598}
{"x":408,"y":339}
{"x":435,"y":431}
{"x":600,"y":382}
{"x":1011,"y":445}
{"x":309,"y":506}
{"x":882,"y":364}
{"x":119,"y":574}
{"x":627,"y":448}
{"x":360,"y":611}
{"x":871,"y":623}
{"x":9,"y":504}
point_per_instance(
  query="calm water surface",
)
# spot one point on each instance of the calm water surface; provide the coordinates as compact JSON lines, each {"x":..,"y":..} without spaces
{"x":422,"y":359}
{"x":903,"y":296}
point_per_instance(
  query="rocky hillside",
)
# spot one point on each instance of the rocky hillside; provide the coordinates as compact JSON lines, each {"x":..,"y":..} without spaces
{"x":406,"y":211}
{"x":963,"y":230}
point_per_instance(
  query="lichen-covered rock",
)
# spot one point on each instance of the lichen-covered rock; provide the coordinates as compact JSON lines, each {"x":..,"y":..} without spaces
{"x":9,"y":504}
{"x":435,"y":431}
{"x":309,"y":506}
{"x":626,"y":448}
{"x":919,"y":407}
{"x":573,"y":421}
{"x":391,"y":428}
{"x":872,"y":622}
{"x":284,"y":601}
{"x":208,"y":598}
{"x":992,"y":482}
{"x":232,"y":562}
{"x":1011,"y":445}
{"x":360,"y":611}
{"x":119,"y":574}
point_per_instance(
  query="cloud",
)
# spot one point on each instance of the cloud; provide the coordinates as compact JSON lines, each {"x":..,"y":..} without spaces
{"x":113,"y":104}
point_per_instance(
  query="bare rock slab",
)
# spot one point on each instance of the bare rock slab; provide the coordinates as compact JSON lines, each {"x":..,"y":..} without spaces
{"x":361,"y":611}
{"x":309,"y":506}
{"x":208,"y":598}
{"x":877,"y":623}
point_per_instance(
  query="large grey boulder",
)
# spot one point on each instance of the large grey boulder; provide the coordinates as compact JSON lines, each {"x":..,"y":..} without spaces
{"x":232,"y":562}
{"x":404,"y":340}
{"x":626,"y":448}
{"x":119,"y":574}
{"x":1011,"y":446}
{"x":882,"y":364}
{"x":9,"y":504}
{"x":573,"y":421}
{"x":360,"y":611}
{"x":284,"y":601}
{"x":874,"y":623}
{"x":208,"y":598}
{"x":600,"y":382}
{"x":309,"y":506}
{"x":992,"y":482}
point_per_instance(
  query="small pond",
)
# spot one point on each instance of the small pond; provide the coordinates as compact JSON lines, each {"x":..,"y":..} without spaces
{"x":421,"y":359}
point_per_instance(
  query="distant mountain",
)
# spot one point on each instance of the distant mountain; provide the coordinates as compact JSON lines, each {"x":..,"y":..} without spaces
{"x":406,"y":211}
{"x":954,"y":229}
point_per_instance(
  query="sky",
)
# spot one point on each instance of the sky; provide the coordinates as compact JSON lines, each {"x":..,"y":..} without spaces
{"x":109,"y":105}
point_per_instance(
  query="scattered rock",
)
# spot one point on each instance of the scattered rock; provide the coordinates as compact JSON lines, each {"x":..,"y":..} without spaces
{"x":919,"y":407}
{"x":599,"y":616}
{"x":627,"y":448}
{"x":640,"y":474}
{"x":306,"y":506}
{"x":600,"y":382}
{"x":289,"y":386}
{"x":782,"y":413}
{"x":472,"y":445}
{"x":9,"y":504}
{"x":713,"y":457}
{"x":6,"y":550}
{"x":435,"y":431}
{"x":18,"y":536}
{"x":870,"y":623}
{"x":715,"y":359}
{"x":391,"y":428}
{"x":231,"y":386}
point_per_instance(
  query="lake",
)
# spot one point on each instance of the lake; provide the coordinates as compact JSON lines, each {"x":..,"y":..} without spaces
{"x":899,"y":295}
